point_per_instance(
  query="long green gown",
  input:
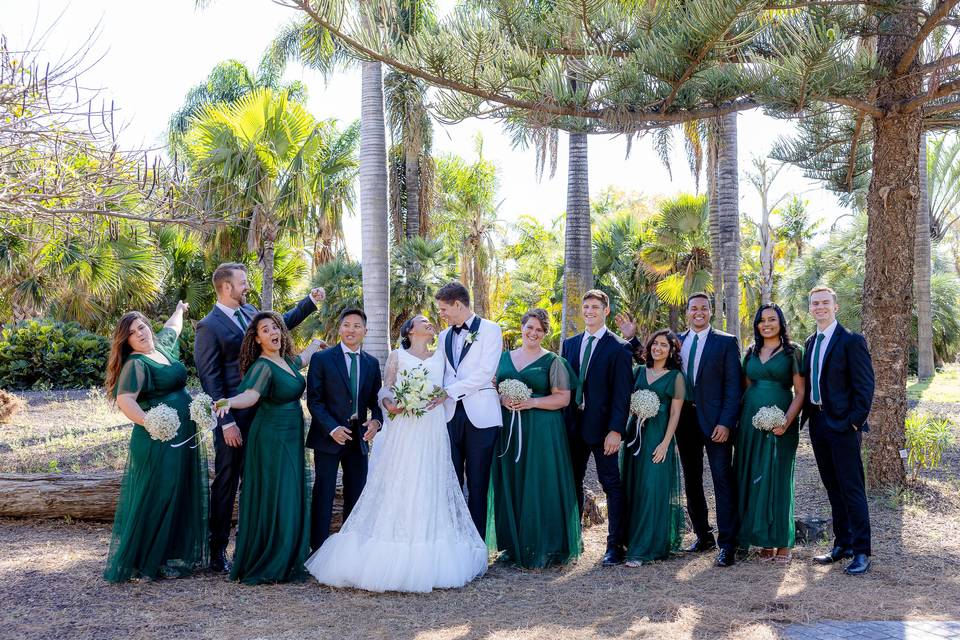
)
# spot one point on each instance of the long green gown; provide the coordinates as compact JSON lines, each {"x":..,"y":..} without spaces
{"x":763,"y":462}
{"x":655,"y":519}
{"x":533,"y":515}
{"x":273,"y":532}
{"x":160,"y":526}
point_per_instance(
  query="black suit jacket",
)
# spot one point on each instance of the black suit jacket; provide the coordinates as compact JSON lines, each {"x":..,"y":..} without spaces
{"x":718,"y":388}
{"x":606,"y":390}
{"x":846,"y":381}
{"x":330,"y":401}
{"x":217,"y":351}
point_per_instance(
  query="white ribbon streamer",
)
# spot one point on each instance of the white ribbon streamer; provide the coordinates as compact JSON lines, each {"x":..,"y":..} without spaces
{"x":637,"y":438}
{"x":198,"y":436}
{"x":514,"y":415}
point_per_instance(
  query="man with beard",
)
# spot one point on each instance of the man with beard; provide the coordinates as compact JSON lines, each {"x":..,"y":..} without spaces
{"x":216,"y":352}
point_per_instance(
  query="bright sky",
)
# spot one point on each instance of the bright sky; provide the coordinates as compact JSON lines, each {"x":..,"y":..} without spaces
{"x":154,"y":52}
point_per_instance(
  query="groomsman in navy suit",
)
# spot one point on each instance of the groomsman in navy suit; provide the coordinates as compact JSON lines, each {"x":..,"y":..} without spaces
{"x":597,"y":417}
{"x":217,"y":354}
{"x":838,"y":366}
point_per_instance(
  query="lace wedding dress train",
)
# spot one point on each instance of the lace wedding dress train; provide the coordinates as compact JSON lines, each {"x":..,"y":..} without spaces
{"x":410,"y":530}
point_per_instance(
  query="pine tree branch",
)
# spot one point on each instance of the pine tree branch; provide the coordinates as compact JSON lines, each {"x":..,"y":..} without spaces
{"x":854,"y":142}
{"x":946,"y":107}
{"x":853,"y":103}
{"x":945,"y":89}
{"x":941,"y":12}
{"x":936,"y":65}
{"x":694,"y":63}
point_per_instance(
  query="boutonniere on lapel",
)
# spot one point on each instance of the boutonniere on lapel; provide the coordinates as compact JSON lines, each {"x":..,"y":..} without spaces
{"x":471,"y":337}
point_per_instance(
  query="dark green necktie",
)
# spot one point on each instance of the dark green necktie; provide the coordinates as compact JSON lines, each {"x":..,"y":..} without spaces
{"x":692,"y":360}
{"x":240,"y":319}
{"x":354,"y":381}
{"x":583,"y":368}
{"x":815,"y":384}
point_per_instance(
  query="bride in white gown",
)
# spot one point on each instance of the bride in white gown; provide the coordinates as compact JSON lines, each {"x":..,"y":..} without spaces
{"x":410,"y":530}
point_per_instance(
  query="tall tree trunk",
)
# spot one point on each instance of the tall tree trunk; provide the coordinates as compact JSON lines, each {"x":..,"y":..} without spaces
{"x":268,"y":242}
{"x":481,"y":287}
{"x":922,"y":267}
{"x":411,"y":186}
{"x":578,"y":248}
{"x":728,"y":202}
{"x":716,"y":243}
{"x":374,"y":222}
{"x":892,"y":203}
{"x":766,"y":252}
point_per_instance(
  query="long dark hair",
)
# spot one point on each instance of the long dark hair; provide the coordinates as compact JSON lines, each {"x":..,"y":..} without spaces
{"x":250,"y":350}
{"x":120,"y":349}
{"x":673,"y":358}
{"x":785,"y":343}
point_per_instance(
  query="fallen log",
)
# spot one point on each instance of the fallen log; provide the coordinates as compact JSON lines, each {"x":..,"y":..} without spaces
{"x":80,"y":496}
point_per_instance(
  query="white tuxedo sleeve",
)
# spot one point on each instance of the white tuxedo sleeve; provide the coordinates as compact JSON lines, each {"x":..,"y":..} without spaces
{"x":480,"y":371}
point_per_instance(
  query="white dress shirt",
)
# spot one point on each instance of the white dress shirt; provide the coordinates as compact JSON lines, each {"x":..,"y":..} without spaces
{"x":231,"y":313}
{"x":459,"y":339}
{"x":827,"y":335}
{"x":686,"y":348}
{"x":346,"y":359}
{"x":583,"y":345}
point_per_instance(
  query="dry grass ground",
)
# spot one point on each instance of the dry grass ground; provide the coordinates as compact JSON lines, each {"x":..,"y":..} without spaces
{"x":51,"y":587}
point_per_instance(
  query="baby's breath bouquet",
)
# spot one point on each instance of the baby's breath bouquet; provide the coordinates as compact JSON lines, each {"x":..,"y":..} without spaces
{"x":513,"y":390}
{"x":201,"y":412}
{"x":769,"y":418}
{"x":162,"y":422}
{"x":644,"y":404}
{"x":413,"y":391}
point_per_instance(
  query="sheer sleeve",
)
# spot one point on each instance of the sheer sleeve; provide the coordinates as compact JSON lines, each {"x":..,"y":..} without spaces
{"x":561,"y":375}
{"x":389,"y":376}
{"x":258,"y":377}
{"x":166,"y":340}
{"x":134,"y":377}
{"x":679,"y":390}
{"x":797,"y":360}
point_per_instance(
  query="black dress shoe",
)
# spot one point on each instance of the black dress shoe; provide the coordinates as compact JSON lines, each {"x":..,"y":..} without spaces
{"x":701,"y":545}
{"x":726,"y":558}
{"x":612,"y":557}
{"x":219,"y":562}
{"x":836,"y":554}
{"x":859,"y":566}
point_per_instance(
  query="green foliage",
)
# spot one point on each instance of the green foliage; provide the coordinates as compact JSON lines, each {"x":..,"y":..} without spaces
{"x":419,"y":267}
{"x":927,"y":438}
{"x":343,"y":280}
{"x":49,"y":354}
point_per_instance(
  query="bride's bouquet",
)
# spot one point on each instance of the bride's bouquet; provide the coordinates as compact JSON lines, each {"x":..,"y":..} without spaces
{"x":513,"y":390}
{"x":413,"y":391}
{"x":644,"y":404}
{"x":201,"y":412}
{"x":769,"y":418}
{"x":162,"y":422}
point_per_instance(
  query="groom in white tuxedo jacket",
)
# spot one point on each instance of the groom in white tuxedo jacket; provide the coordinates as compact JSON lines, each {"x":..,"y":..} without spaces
{"x":472,"y":346}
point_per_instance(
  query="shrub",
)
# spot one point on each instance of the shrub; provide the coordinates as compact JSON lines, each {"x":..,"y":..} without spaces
{"x":927,"y":438}
{"x":38,"y":354}
{"x":10,"y":405}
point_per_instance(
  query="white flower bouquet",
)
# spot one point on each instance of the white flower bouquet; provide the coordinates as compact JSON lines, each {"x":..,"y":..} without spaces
{"x":162,"y":422}
{"x":513,"y":390}
{"x":413,"y":391}
{"x":201,"y":412}
{"x":644,"y":404}
{"x":769,"y":418}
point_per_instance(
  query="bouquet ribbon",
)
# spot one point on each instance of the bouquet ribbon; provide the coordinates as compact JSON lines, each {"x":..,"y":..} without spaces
{"x":515,"y":416}
{"x":197,"y":436}
{"x":636,"y":438}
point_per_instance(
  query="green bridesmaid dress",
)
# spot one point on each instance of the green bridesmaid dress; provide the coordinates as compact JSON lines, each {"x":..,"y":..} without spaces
{"x":763,"y":462}
{"x":655,"y":518}
{"x":273,"y":532}
{"x":160,"y":526}
{"x":533,"y":515}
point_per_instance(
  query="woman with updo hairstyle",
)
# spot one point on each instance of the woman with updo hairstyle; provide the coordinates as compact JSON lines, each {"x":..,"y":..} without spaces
{"x":535,"y":519}
{"x":649,"y":464}
{"x":160,"y":526}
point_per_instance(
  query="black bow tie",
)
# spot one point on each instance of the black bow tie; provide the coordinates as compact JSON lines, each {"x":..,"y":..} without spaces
{"x":460,"y":327}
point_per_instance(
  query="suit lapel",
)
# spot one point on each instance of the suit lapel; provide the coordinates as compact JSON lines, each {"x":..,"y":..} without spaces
{"x":474,"y":328}
{"x":226,"y":321}
{"x":838,"y":332}
{"x":708,"y":344}
{"x":339,"y":361}
{"x":575,"y":343}
{"x":448,"y":348}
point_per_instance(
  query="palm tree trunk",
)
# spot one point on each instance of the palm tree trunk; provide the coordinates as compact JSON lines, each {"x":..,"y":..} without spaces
{"x":728,"y":203}
{"x":716,"y":243}
{"x":766,"y":246}
{"x":267,"y":246}
{"x":892,"y":204}
{"x":578,"y":249}
{"x":411,"y":186}
{"x":925,"y":361}
{"x":374,"y":221}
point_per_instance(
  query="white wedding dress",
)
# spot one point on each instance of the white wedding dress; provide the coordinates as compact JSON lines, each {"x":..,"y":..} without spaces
{"x":410,"y":530}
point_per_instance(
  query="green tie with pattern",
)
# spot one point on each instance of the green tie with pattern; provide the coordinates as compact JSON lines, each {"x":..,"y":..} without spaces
{"x":354,"y":380}
{"x":583,"y":368}
{"x":815,"y":384}
{"x":692,"y":360}
{"x":240,"y":319}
